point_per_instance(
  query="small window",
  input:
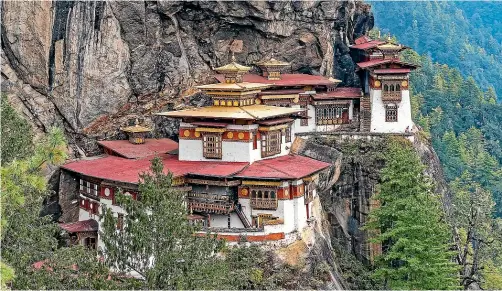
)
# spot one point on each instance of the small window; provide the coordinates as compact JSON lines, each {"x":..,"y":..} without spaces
{"x":90,"y":242}
{"x":304,"y":121}
{"x":271,"y":143}
{"x":255,"y":141}
{"x":212,"y":146}
{"x":391,"y":113}
{"x":287,"y":134}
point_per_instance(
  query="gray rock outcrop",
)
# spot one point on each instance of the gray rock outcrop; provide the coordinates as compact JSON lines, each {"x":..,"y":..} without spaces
{"x":89,"y":66}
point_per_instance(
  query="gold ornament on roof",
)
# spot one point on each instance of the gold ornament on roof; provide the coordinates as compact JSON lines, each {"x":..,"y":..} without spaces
{"x":136,"y":128}
{"x":233,"y":67}
{"x":272,"y":62}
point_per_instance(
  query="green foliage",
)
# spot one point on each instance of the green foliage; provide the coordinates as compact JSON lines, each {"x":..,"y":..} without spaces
{"x":478,"y":234}
{"x":28,"y":238}
{"x":252,"y":268}
{"x":464,"y":123}
{"x":23,"y":178}
{"x":25,"y":236}
{"x":16,"y":136}
{"x":157,"y":241}
{"x":412,"y":230}
{"x":355,"y":273}
{"x":71,"y":269}
{"x":466,"y":35}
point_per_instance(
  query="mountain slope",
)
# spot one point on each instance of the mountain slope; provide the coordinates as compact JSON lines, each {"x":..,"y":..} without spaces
{"x":465,"y":35}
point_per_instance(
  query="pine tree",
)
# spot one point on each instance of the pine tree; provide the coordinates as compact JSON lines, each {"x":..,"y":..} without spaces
{"x":157,"y":242}
{"x":16,"y":138}
{"x":415,"y":238}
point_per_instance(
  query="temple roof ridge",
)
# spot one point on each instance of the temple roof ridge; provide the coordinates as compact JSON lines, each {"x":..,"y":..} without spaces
{"x":272,"y":62}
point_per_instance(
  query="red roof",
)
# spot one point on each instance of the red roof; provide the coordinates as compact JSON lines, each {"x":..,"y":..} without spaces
{"x":367,"y":45}
{"x":285,"y":167}
{"x":286,"y":80}
{"x":115,"y":168}
{"x":80,"y":226}
{"x":134,"y":151}
{"x":362,"y":39}
{"x":348,"y":92}
{"x":376,"y":62}
{"x":392,"y":71}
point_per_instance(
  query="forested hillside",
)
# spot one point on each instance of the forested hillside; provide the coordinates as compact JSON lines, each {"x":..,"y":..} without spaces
{"x":464,"y":35}
{"x":464,"y":124}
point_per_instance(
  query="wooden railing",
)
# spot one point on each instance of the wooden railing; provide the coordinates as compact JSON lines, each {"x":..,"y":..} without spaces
{"x":322,"y":121}
{"x":391,"y":95}
{"x":206,"y":196}
{"x":210,"y":207}
{"x":209,"y":203}
{"x":264,"y":203}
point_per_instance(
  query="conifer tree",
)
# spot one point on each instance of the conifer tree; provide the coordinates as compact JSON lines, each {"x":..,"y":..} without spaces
{"x":415,"y":238}
{"x":157,"y":242}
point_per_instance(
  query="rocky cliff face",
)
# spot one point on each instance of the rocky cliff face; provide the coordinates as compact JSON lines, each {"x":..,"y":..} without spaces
{"x":346,"y":191}
{"x":89,"y":66}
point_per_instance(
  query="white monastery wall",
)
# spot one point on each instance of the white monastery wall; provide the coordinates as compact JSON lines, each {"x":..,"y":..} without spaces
{"x":221,"y":220}
{"x":378,"y":123}
{"x":311,"y":122}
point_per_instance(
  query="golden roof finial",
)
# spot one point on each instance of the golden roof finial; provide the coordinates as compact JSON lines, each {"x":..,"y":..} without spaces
{"x":388,"y":37}
{"x":136,"y":122}
{"x":233,"y":56}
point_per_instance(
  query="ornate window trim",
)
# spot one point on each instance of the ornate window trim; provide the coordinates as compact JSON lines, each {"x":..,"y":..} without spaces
{"x":391,"y":113}
{"x":287,"y":134}
{"x":212,"y":145}
{"x":89,"y":189}
{"x":271,"y":142}
{"x":263,"y":198}
{"x":331,"y":114}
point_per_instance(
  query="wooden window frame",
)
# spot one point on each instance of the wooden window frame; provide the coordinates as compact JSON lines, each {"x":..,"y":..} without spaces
{"x":330,"y":114}
{"x":255,"y":141}
{"x":391,"y":113}
{"x":263,"y":198}
{"x":287,"y":134}
{"x":271,"y":143}
{"x":88,"y":188}
{"x":212,"y":145}
{"x":309,"y":192}
{"x":304,"y":121}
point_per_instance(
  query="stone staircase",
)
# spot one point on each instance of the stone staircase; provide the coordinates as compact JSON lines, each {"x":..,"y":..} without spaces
{"x":243,"y":218}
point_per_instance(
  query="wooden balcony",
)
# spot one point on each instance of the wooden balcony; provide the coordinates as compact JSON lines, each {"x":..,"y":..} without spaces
{"x":207,"y":196}
{"x":210,"y":207}
{"x":391,"y":96}
{"x":264,"y":203}
{"x":209,"y":203}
